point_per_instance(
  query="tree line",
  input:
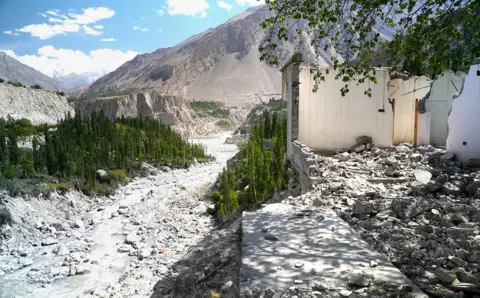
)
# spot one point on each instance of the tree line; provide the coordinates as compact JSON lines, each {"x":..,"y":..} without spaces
{"x":259,"y":171}
{"x":76,"y":148}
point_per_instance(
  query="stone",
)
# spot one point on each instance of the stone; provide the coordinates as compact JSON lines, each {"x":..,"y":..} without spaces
{"x":422,"y":176}
{"x":61,"y":250}
{"x":49,"y":241}
{"x":407,"y":208}
{"x":55,"y":271}
{"x":442,"y":179}
{"x":464,"y":276}
{"x":144,"y":253}
{"x":72,"y":271}
{"x":373,"y":264}
{"x":82,"y":269}
{"x":445,"y":276}
{"x":383,"y":215}
{"x":419,"y":188}
{"x":362,"y":207}
{"x":343,"y":156}
{"x":24,"y":262}
{"x":270,"y":237}
{"x":458,"y":219}
{"x":359,"y":148}
{"x":132,"y":239}
{"x":101,"y":175}
{"x":345,"y":293}
{"x":364,"y":140}
{"x":460,"y":233}
{"x":447,"y":156}
{"x":473,"y":187}
{"x":450,"y":189}
{"x":78,"y":224}
{"x":457,"y":261}
{"x":402,"y":149}
{"x":416,"y":157}
{"x":391,"y":160}
{"x":360,"y":279}
{"x":165,"y":169}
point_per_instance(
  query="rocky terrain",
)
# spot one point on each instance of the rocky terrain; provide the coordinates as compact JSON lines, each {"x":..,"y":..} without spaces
{"x":74,"y":246}
{"x":39,"y":106}
{"x":13,"y":70}
{"x":417,"y":206}
{"x":169,"y":109}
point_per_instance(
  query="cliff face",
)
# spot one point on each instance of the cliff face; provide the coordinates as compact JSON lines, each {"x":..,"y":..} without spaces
{"x":169,"y":109}
{"x":38,"y":106}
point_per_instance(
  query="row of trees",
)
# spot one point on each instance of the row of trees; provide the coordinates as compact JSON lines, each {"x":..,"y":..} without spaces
{"x":77,"y":148}
{"x":260,"y":170}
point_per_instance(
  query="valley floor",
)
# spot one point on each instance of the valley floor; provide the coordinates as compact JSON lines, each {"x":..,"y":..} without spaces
{"x":121,"y":246}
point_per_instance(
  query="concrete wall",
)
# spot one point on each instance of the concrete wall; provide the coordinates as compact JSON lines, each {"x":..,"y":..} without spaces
{"x":439,"y":104}
{"x":405,"y":93}
{"x":328,"y":121}
{"x":464,"y":120}
{"x":424,"y":128}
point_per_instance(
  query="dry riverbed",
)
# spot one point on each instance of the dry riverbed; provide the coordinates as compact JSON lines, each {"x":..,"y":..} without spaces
{"x":75,"y":246}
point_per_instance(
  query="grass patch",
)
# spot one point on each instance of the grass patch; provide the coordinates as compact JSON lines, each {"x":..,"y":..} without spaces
{"x":209,"y":109}
{"x":49,"y":187}
{"x":224,"y":123}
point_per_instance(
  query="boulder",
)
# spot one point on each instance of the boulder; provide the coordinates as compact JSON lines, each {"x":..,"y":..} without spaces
{"x":362,"y":207}
{"x":450,"y":189}
{"x":409,"y":207}
{"x":445,"y":276}
{"x":422,"y":176}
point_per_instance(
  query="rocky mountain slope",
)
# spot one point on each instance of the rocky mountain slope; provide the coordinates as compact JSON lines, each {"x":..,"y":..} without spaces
{"x":39,"y":106}
{"x":13,"y":70}
{"x":169,"y":109}
{"x":220,"y":64}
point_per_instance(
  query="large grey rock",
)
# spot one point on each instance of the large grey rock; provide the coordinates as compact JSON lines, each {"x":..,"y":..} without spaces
{"x":360,"y":279}
{"x":61,"y":250}
{"x":362,"y":207}
{"x":132,"y":239}
{"x":49,"y":241}
{"x":450,"y":189}
{"x":422,"y":176}
{"x":473,"y":187}
{"x":409,"y":207}
{"x":445,"y":276}
{"x":24,"y":262}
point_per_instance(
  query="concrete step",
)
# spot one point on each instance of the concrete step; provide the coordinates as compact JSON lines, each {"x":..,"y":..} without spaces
{"x":315,"y":253}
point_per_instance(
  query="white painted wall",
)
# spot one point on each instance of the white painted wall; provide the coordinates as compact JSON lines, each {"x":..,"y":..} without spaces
{"x":405,"y":92}
{"x":464,"y":120}
{"x":329,"y":121}
{"x":439,"y":104}
{"x":424,"y":123}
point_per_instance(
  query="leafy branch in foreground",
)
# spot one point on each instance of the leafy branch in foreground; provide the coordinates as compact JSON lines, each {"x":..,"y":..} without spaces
{"x":429,"y":36}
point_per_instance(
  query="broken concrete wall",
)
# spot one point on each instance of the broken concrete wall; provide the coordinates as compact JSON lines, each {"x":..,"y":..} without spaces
{"x":464,"y":120}
{"x":290,"y":93}
{"x":439,"y":104}
{"x":405,"y":93}
{"x":424,"y":128}
{"x":330,"y":121}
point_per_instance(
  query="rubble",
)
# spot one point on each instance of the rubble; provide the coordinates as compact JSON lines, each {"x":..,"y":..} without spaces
{"x":416,"y":205}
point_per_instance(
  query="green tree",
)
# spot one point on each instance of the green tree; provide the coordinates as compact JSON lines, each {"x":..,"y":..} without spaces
{"x":430,"y":36}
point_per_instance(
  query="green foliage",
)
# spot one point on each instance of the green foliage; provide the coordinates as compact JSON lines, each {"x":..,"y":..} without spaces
{"x":60,"y":93}
{"x":2,"y":80}
{"x":209,"y":109}
{"x":49,"y":187}
{"x":224,"y":123}
{"x":5,"y":216}
{"x":76,"y":148}
{"x":36,"y":86}
{"x":259,"y":172}
{"x":15,"y":84}
{"x":430,"y":36}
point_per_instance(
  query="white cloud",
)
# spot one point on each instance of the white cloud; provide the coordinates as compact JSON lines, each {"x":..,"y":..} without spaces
{"x":111,"y":39}
{"x":250,"y":2}
{"x":99,"y":27}
{"x":136,"y":28}
{"x":224,"y":5}
{"x":42,"y":14}
{"x":51,"y":61}
{"x":91,"y":31}
{"x":160,"y":12}
{"x":188,"y":7}
{"x":72,"y":22}
{"x":8,"y":32}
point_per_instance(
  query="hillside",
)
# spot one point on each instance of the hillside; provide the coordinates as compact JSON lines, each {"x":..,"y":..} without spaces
{"x":220,"y":64}
{"x":39,"y":106}
{"x":13,"y":70}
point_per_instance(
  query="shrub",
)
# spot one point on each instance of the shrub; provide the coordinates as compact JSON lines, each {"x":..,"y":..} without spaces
{"x":9,"y":172}
{"x":209,"y":108}
{"x":36,"y":86}
{"x":60,"y":93}
{"x":15,"y":84}
{"x":2,"y":80}
{"x":117,"y":176}
{"x":5,"y":216}
{"x":224,"y":123}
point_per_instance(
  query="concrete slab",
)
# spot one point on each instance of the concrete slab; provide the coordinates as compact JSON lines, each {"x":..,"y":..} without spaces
{"x":316,"y":246}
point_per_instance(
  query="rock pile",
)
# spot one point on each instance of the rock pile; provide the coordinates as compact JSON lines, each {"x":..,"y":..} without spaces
{"x":415,"y":205}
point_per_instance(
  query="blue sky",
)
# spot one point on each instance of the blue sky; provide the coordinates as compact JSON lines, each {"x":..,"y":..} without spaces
{"x":98,"y":36}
